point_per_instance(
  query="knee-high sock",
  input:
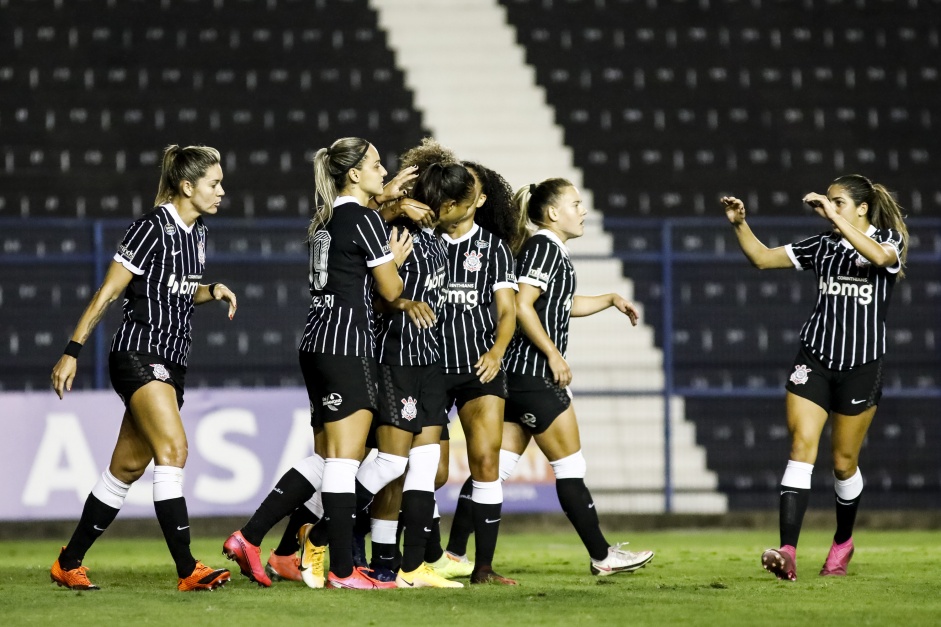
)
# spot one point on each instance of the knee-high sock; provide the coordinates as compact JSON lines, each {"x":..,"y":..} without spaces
{"x":433,"y":550}
{"x":418,"y":503}
{"x":289,"y":544}
{"x":173,"y":516}
{"x":101,"y":507}
{"x":293,"y":488}
{"x":795,"y":494}
{"x":848,"y":493}
{"x":339,"y":506}
{"x":577,"y":503}
{"x":488,"y":503}
{"x":462,"y":526}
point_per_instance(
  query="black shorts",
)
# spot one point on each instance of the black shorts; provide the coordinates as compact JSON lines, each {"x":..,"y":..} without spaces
{"x":535,"y":402}
{"x":338,"y":385}
{"x":130,"y":371}
{"x":848,"y":392}
{"x":461,"y":388}
{"x":411,"y":397}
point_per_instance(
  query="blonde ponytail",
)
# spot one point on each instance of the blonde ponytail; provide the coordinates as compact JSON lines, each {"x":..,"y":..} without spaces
{"x":183,"y":164}
{"x":330,"y":170}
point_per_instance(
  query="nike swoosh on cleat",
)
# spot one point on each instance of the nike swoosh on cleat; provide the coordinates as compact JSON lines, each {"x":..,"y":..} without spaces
{"x":182,"y":528}
{"x":410,"y":585}
{"x":487,"y":520}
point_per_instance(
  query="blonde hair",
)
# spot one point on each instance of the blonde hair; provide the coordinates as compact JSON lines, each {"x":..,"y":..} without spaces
{"x":884,"y":211}
{"x":183,"y":164}
{"x":532,"y":201}
{"x":330,"y":168}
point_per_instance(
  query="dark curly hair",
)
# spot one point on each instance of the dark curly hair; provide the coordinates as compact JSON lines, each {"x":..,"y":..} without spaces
{"x":499,"y":214}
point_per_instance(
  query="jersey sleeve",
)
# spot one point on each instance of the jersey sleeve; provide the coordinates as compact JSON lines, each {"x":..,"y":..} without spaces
{"x":538,"y":263}
{"x":136,"y":249}
{"x":504,"y":268}
{"x":372,"y":238}
{"x":802,"y":253}
{"x":894,"y":239}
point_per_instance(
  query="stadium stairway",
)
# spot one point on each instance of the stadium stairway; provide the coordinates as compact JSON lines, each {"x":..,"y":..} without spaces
{"x":478,"y":96}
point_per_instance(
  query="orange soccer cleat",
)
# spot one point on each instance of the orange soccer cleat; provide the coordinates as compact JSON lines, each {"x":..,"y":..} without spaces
{"x":75,"y":579}
{"x":204,"y":578}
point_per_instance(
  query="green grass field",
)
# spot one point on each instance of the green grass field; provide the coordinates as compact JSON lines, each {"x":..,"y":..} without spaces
{"x":697,"y":578}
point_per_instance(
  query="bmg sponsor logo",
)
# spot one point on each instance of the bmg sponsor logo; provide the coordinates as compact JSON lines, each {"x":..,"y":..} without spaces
{"x":186,"y":286}
{"x":848,"y":287}
{"x":460,"y":294}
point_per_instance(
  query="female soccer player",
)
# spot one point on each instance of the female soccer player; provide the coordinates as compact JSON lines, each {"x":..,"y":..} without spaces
{"x":351,"y":255}
{"x":838,"y":368}
{"x":539,"y":405}
{"x":475,"y":327}
{"x":158,"y":267}
{"x":411,"y":385}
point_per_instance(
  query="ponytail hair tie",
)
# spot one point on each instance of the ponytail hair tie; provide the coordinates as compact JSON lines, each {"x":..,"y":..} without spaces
{"x":532,"y":188}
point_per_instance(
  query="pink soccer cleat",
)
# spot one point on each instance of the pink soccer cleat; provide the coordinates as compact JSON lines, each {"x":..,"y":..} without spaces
{"x":358,"y":580}
{"x":838,"y":559}
{"x":248,"y":557}
{"x":782,"y":562}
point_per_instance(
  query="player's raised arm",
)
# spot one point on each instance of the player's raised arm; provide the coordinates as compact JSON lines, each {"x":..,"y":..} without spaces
{"x":758,"y":254}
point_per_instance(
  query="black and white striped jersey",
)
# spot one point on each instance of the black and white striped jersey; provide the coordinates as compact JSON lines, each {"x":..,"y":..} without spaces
{"x":847,"y":326}
{"x":340,"y":319}
{"x":479,"y":264}
{"x":544,"y":262}
{"x":398,"y":341}
{"x":167,"y":259}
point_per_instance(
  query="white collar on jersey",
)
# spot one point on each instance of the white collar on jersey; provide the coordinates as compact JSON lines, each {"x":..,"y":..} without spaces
{"x":344,"y":199}
{"x":176,"y":217}
{"x":554,"y":238}
{"x":462,"y":238}
{"x":869,"y":233}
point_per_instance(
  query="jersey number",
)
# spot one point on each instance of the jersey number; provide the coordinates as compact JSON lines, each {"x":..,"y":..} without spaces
{"x":319,"y":254}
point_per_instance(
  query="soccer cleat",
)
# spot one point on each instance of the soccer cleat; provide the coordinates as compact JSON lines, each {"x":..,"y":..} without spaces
{"x":283,"y":567}
{"x":838,"y":559}
{"x":75,"y":579}
{"x":450,"y":566}
{"x":485,"y":574}
{"x":248,"y":557}
{"x":424,"y":577}
{"x":358,"y":580}
{"x":312,"y":558}
{"x":782,"y":562}
{"x":203,"y":578}
{"x":620,"y":560}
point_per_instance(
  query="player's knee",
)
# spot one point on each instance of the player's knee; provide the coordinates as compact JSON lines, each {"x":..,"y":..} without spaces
{"x":844,"y":466}
{"x":572,"y":467}
{"x":171,"y":453}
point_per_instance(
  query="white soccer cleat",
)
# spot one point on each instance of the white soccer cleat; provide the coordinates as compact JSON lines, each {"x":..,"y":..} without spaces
{"x":620,"y":561}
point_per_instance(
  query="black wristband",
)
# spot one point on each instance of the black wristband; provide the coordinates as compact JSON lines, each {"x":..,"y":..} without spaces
{"x":212,"y":289}
{"x":72,"y":349}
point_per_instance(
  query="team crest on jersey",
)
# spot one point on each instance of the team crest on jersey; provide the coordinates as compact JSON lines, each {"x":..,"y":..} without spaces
{"x":409,"y":410}
{"x":332,"y":401}
{"x":200,"y":229}
{"x":472,"y":263}
{"x":160,"y":372}
{"x":169,"y":228}
{"x":201,"y":252}
{"x":481,"y":244}
{"x":529,"y":420}
{"x":799,"y":376}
